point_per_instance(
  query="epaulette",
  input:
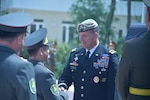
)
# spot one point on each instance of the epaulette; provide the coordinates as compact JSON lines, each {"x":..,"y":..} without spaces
{"x":73,"y":50}
{"x":112,"y":51}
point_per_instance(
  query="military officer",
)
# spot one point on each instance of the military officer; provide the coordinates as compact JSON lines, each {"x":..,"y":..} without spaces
{"x":17,"y":76}
{"x":91,"y":68}
{"x":133,"y":76}
{"x":38,"y":48}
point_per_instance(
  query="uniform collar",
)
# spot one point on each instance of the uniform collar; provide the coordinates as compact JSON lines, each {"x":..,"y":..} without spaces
{"x":35,"y":62}
{"x":6,"y":48}
{"x":92,"y":50}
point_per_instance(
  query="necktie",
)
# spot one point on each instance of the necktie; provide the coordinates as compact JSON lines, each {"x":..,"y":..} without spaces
{"x":88,"y":54}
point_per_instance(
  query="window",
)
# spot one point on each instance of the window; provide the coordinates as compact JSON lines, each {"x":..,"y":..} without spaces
{"x":37,"y":24}
{"x":67,"y":31}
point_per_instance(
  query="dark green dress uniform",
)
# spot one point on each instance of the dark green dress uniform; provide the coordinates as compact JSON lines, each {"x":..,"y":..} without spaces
{"x":16,"y":75}
{"x":133,"y":77}
{"x":94,"y":77}
{"x":47,"y":89}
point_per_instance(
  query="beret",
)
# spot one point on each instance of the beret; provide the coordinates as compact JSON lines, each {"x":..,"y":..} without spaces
{"x":87,"y":25}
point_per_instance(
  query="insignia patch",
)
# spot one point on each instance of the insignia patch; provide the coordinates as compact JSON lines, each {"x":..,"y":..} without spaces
{"x":32,"y":86}
{"x":54,"y":89}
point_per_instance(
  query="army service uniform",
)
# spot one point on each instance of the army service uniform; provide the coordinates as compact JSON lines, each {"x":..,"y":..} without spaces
{"x":93,"y":77}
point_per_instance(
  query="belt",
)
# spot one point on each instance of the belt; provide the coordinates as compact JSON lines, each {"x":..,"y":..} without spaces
{"x":140,"y":92}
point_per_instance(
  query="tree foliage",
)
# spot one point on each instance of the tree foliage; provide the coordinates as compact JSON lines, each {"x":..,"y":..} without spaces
{"x":62,"y":54}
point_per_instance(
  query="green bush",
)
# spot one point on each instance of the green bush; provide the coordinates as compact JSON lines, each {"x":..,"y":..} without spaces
{"x":62,"y":55}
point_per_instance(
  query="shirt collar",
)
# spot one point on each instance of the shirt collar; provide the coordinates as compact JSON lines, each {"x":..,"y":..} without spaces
{"x":92,"y":50}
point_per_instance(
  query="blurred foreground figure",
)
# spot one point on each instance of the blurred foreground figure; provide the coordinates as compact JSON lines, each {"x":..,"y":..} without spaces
{"x":17,"y":75}
{"x":133,"y":76}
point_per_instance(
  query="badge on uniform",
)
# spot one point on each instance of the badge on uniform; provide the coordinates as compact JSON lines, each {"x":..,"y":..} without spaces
{"x":74,"y":63}
{"x":104,"y":79}
{"x":96,"y":79}
{"x":32,"y":86}
{"x":54,"y":89}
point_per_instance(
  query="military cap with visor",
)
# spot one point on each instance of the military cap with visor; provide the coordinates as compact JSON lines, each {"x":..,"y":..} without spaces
{"x":147,"y":3}
{"x":36,"y":39}
{"x":16,"y":22}
{"x":87,"y":25}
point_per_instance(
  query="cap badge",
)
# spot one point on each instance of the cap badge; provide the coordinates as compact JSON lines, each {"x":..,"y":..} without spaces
{"x":46,"y":41}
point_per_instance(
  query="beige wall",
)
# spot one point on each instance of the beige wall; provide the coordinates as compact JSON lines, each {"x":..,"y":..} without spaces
{"x":52,"y":21}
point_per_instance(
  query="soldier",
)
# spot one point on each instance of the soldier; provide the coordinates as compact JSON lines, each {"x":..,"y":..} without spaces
{"x":38,"y":48}
{"x":91,"y":68}
{"x":17,"y":76}
{"x":133,"y":76}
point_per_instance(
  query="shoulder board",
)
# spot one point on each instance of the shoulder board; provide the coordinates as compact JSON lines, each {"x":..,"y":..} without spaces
{"x":73,"y":50}
{"x":112,"y":51}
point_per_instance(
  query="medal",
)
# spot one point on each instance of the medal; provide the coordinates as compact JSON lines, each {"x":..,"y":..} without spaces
{"x":96,"y":79}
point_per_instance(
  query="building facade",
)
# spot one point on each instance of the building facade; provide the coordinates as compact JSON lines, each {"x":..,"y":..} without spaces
{"x":54,"y":15}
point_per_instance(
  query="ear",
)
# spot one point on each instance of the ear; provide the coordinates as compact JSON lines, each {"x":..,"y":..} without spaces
{"x":19,"y":39}
{"x":96,"y":35}
{"x":40,"y":51}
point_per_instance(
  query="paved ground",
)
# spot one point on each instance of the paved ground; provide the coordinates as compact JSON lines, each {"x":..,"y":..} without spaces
{"x":70,"y":92}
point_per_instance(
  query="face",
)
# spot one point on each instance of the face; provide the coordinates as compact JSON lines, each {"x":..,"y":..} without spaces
{"x":88,"y":39}
{"x":112,"y":47}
